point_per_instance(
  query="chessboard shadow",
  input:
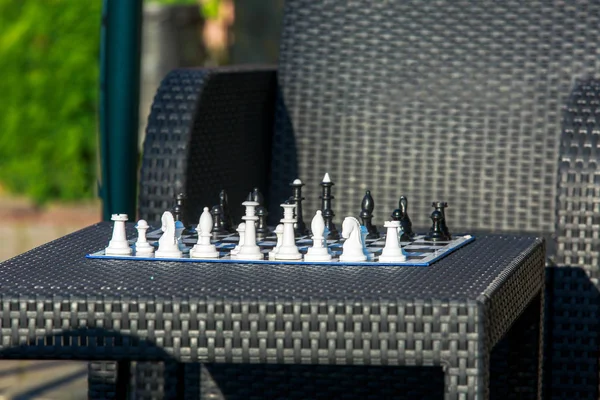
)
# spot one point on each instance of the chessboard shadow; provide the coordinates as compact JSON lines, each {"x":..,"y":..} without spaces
{"x":571,"y":335}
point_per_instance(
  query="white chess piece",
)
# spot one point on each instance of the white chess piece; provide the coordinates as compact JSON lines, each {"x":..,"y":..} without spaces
{"x":204,"y":249}
{"x":118,"y":245}
{"x":353,"y":247}
{"x":179,"y":228}
{"x":279,"y":233}
{"x":319,"y":250}
{"x":240,"y":230}
{"x":288,"y":249}
{"x":250,"y":250}
{"x":142,"y":247}
{"x":392,"y":252}
{"x":167,"y":244}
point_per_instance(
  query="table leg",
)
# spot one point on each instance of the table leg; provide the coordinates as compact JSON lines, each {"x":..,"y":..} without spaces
{"x":108,"y":379}
{"x":515,"y":365}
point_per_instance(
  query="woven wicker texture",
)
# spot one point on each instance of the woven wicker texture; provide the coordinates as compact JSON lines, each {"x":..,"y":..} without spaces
{"x":573,"y":317}
{"x":423,"y":316}
{"x":573,"y":331}
{"x":453,"y":100}
{"x":578,"y":205}
{"x":208,"y":130}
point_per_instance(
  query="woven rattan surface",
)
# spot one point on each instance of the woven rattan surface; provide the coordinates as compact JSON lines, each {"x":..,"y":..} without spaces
{"x":578,"y":205}
{"x":57,"y":303}
{"x":454,"y":100}
{"x":573,"y":317}
{"x":60,"y":268}
{"x":208,"y":130}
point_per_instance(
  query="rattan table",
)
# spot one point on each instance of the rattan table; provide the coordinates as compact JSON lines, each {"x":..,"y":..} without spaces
{"x":56,"y":304}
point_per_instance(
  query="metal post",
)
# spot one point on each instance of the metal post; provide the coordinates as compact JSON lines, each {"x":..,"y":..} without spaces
{"x":119,"y":105}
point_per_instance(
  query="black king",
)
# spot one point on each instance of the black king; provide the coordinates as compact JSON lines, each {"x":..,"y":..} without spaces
{"x":328,"y":214}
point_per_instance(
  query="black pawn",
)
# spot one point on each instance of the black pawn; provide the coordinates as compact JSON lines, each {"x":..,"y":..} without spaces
{"x":396,"y":214}
{"x":262,"y":231}
{"x":435,"y":233}
{"x":179,"y":209}
{"x":366,"y":215}
{"x":441,"y":207}
{"x":179,"y":214}
{"x":257,"y":196}
{"x":300,"y":225}
{"x":218,"y":223}
{"x":226,"y":213}
{"x":327,"y":212}
{"x":405,"y":222}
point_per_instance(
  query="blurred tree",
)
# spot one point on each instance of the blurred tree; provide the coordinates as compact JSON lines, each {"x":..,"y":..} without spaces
{"x":49,"y":52}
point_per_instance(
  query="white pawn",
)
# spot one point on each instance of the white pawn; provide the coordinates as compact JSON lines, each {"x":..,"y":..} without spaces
{"x":142,"y":247}
{"x":392,"y":252}
{"x":318,"y":251}
{"x":204,"y":249}
{"x":240,"y":230}
{"x":179,"y":228}
{"x":279,"y":233}
{"x":288,"y":249}
{"x":118,"y":245}
{"x":353,"y":249}
{"x":250,"y":250}
{"x":167,"y":244}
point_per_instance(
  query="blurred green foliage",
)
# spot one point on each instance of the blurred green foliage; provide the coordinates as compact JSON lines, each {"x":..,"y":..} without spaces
{"x":209,"y":8}
{"x":49,"y":64}
{"x":173,"y":1}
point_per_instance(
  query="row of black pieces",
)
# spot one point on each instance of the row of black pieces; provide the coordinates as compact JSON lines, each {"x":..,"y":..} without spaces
{"x":439,"y":230}
{"x":222,"y":220}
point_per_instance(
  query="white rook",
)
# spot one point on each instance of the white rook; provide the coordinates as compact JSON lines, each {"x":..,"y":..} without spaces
{"x":392,"y":252}
{"x":118,"y":245}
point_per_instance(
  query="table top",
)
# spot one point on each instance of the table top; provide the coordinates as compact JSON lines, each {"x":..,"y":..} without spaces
{"x":60,"y":269}
{"x":56,"y":303}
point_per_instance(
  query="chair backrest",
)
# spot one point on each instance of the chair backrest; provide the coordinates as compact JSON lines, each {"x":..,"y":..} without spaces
{"x":448,"y":100}
{"x":578,"y":204}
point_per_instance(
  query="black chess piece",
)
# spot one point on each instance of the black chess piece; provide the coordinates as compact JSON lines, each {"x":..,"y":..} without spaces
{"x":397,"y":216}
{"x":328,"y":214}
{"x":218,"y":223}
{"x":179,"y":208}
{"x":405,"y":222}
{"x":262,"y":231}
{"x":180,"y":214}
{"x":441,"y":207}
{"x":366,"y":215}
{"x":436,"y":233}
{"x":226,"y":212}
{"x":257,"y":196}
{"x":300,"y":226}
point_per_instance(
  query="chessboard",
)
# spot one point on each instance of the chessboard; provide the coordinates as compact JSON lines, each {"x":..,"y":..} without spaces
{"x":419,"y":251}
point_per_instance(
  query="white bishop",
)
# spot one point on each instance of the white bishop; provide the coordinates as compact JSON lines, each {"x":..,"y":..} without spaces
{"x":204,"y":249}
{"x":319,"y":250}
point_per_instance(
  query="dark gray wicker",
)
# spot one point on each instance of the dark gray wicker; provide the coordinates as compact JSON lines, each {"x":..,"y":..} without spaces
{"x":459,"y":100}
{"x":242,"y":320}
{"x":573,"y":310}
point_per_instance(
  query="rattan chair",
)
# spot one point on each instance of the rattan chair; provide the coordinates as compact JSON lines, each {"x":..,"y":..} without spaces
{"x":469,"y":102}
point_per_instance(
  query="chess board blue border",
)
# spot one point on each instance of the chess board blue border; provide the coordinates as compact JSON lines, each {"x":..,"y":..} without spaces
{"x":409,"y":249}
